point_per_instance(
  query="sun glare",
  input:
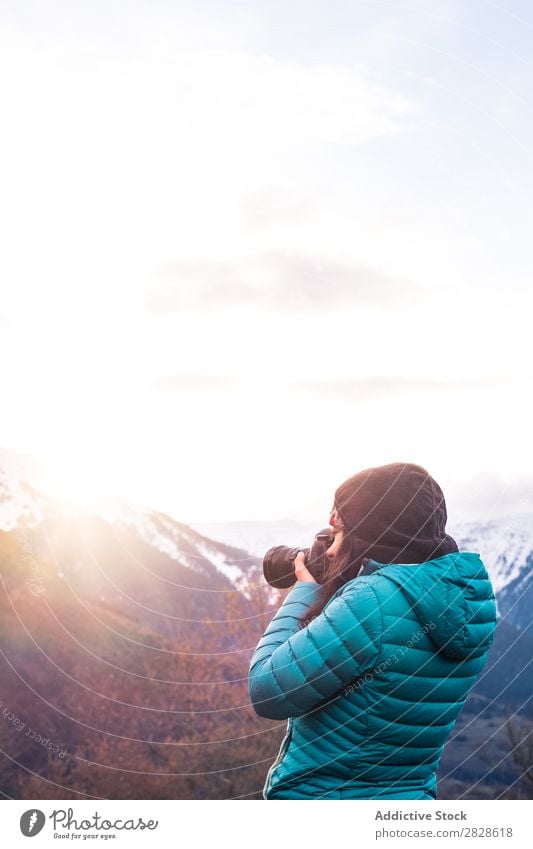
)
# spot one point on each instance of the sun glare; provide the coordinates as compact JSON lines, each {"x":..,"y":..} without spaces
{"x":78,"y":479}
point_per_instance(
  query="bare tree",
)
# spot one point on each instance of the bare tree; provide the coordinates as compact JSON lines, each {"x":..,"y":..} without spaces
{"x":518,"y":735}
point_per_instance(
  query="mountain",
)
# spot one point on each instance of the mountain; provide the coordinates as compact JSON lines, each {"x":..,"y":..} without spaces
{"x":125,"y":638}
{"x":19,"y":502}
{"x":98,"y":700}
{"x":80,"y":537}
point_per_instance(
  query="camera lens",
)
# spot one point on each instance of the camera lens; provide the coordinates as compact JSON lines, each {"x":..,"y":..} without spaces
{"x":278,"y":566}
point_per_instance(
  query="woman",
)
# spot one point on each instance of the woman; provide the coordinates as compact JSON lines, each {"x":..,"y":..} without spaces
{"x":373,"y":666}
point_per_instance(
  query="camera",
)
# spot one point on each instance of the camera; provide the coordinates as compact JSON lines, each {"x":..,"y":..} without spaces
{"x":278,"y":562}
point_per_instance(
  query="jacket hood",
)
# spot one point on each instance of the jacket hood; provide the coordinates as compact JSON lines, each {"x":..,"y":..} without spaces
{"x":452,"y":597}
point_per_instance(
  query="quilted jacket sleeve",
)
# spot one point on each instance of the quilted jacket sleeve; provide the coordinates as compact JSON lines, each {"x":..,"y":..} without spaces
{"x":297,"y":666}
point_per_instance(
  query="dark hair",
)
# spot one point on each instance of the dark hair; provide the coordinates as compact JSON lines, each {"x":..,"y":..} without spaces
{"x":345,"y":566}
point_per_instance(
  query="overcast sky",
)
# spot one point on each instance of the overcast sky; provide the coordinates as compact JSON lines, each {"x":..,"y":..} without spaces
{"x":251,"y":248}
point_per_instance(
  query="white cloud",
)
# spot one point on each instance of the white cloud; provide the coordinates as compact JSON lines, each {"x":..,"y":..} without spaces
{"x":297,"y":284}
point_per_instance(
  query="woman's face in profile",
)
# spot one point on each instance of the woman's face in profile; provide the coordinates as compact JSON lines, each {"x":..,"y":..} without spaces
{"x":332,"y":551}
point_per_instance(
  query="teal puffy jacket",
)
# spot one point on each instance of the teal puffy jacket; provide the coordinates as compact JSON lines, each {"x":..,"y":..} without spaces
{"x":373,"y":686}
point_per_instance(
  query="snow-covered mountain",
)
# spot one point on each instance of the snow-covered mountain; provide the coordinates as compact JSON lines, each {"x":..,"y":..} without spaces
{"x":19,"y":502}
{"x":505,"y":545}
{"x":65,"y":526}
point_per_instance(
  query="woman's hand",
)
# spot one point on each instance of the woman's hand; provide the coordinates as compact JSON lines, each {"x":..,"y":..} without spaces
{"x":301,"y":570}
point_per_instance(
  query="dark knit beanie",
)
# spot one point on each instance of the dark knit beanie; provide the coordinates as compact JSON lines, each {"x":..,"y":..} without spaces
{"x":397,"y":512}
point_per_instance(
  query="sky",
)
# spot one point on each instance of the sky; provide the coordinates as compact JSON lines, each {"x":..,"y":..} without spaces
{"x":249,"y":249}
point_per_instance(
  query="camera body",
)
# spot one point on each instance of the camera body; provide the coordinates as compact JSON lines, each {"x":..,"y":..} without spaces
{"x":278,"y":562}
